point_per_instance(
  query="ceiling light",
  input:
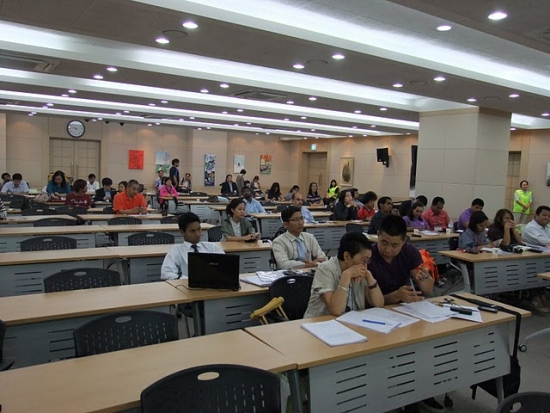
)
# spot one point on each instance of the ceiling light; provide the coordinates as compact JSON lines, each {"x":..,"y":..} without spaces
{"x":312,"y":98}
{"x":286,"y":119}
{"x":126,"y":111}
{"x":303,"y":117}
{"x":99,"y":118}
{"x":512,"y":128}
{"x":338,"y":56}
{"x":49,"y":104}
{"x":72,"y":91}
{"x":224,"y":112}
{"x":373,"y":126}
{"x":118,"y":113}
{"x":383,"y":109}
{"x":157,"y":123}
{"x":498,"y":15}
{"x":191,"y":117}
{"x":112,"y":69}
{"x":298,"y":66}
{"x":472,"y":100}
{"x":98,"y":77}
{"x":162,"y":40}
{"x":439,"y":79}
{"x":290,"y":102}
{"x":30,"y":114}
{"x":204,"y":90}
{"x":514,"y":95}
{"x":65,"y":95}
{"x":190,"y":25}
{"x":164,"y":101}
{"x":365,"y":135}
{"x":408,"y":133}
{"x":240,"y":110}
{"x":152,"y":104}
{"x":235,"y":124}
{"x":224,"y":85}
{"x":313,"y":130}
{"x":45,"y":107}
{"x":545,"y":114}
{"x":444,"y":28}
{"x":350,"y":136}
{"x":208,"y":127}
{"x":354,"y":127}
{"x":397,"y":85}
{"x":199,"y":128}
{"x":267,"y":133}
{"x":248,"y":123}
{"x":357,"y":111}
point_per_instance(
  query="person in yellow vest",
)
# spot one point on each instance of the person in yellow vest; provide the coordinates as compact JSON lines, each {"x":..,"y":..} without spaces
{"x":523,"y":199}
{"x":332,"y":193}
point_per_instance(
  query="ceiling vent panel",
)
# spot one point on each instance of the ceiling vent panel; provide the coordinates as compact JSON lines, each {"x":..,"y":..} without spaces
{"x":31,"y":64}
{"x":259,"y":95}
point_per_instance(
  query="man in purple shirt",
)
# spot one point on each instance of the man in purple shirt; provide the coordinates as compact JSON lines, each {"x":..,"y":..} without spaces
{"x":464,"y":219}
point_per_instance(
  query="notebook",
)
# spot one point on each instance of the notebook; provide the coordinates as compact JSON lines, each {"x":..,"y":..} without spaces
{"x":218,"y":271}
{"x":377,"y":319}
{"x":333,"y":333}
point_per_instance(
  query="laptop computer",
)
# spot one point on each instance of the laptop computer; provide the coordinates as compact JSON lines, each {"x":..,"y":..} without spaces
{"x":218,"y":271}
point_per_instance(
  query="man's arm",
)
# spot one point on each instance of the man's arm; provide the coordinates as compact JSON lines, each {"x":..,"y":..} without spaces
{"x":171,"y":266}
{"x":281,"y":256}
{"x":532,"y":235}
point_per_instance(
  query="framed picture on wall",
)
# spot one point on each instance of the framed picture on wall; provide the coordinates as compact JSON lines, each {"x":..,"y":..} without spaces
{"x":238,"y":163}
{"x":346,"y":171}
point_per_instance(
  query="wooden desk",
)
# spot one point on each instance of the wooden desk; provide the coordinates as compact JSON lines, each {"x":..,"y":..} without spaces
{"x":392,"y":370}
{"x":101,"y":219}
{"x":40,"y":326}
{"x":28,"y":221}
{"x":544,"y":276}
{"x":113,"y":382}
{"x":271,"y":222}
{"x":24,"y":272}
{"x":122,"y":232}
{"x":328,"y":234}
{"x":506,"y":272}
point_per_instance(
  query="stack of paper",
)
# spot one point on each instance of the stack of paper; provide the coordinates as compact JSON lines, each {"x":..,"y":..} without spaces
{"x":424,"y":310}
{"x":475,"y":316}
{"x":333,"y":333}
{"x":377,"y":319}
{"x":429,"y":232}
{"x":264,"y":278}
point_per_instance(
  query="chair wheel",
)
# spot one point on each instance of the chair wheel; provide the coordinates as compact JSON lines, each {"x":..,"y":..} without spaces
{"x":522,"y":348}
{"x":448,"y":402}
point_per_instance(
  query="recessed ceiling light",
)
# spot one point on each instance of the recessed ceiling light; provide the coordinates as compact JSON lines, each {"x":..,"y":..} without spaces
{"x":149,"y":124}
{"x":224,"y":112}
{"x":33,"y":113}
{"x":290,"y":102}
{"x":98,"y":77}
{"x":298,"y":66}
{"x":267,"y":133}
{"x":303,"y":117}
{"x":99,"y":118}
{"x":30,"y":114}
{"x":72,"y":91}
{"x":312,"y":98}
{"x":286,"y":119}
{"x":190,"y":25}
{"x":126,"y":111}
{"x":204,"y":90}
{"x":112,"y":69}
{"x":152,"y":104}
{"x":354,"y":127}
{"x":498,"y":15}
{"x":373,"y":126}
{"x":157,"y":123}
{"x":191,"y":117}
{"x":313,"y":130}
{"x":199,"y":128}
{"x":365,"y":135}
{"x":240,"y":110}
{"x":299,"y":131}
{"x":514,"y":95}
{"x":49,"y":104}
{"x":248,"y":123}
{"x":224,"y":85}
{"x":118,"y":113}
{"x":94,"y":120}
{"x":472,"y":100}
{"x":512,"y":128}
{"x":162,"y":40}
{"x":208,"y":127}
{"x":383,"y":109}
{"x":545,"y":114}
{"x":397,"y":85}
{"x":45,"y":107}
{"x":444,"y":28}
{"x":65,"y":95}
{"x":439,"y":79}
{"x":164,"y":101}
{"x":357,"y":111}
{"x":350,"y":136}
{"x":235,"y":124}
{"x":338,"y":56}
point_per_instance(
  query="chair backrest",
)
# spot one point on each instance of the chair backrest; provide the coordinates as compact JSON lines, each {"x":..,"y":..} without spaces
{"x":34,"y":211}
{"x":81,"y":279}
{"x":54,"y":222}
{"x":172,"y":219}
{"x":453,"y":243}
{"x":150,"y":238}
{"x":71,"y":210}
{"x":193,"y":193}
{"x":16,"y":202}
{"x":296,"y":291}
{"x":108,"y":210}
{"x":215,"y":234}
{"x":124,"y":221}
{"x":529,"y":402}
{"x":229,"y":388}
{"x":48,"y":243}
{"x":124,"y":330}
{"x":267,"y":203}
{"x":281,"y":208}
{"x":455,"y":226}
{"x":354,"y":227}
{"x":3,"y":365}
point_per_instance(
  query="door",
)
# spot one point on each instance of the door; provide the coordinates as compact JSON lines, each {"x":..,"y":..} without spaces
{"x":314,"y":169}
{"x":77,"y":158}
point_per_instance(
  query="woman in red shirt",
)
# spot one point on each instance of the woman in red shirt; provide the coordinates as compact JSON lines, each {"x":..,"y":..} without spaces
{"x":367,"y":210}
{"x":79,"y":197}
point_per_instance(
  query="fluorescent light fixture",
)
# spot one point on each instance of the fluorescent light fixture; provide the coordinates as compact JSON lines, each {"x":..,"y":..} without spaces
{"x":164,"y":101}
{"x":204,"y":90}
{"x":224,"y":112}
{"x":338,"y":56}
{"x":190,"y":24}
{"x":472,"y":100}
{"x":545,"y":114}
{"x":157,"y":123}
{"x":65,"y":95}
{"x":512,"y":128}
{"x":191,"y":117}
{"x":152,"y":104}
{"x":383,"y":109}
{"x":51,"y":104}
{"x":357,"y":111}
{"x":290,"y":102}
{"x":514,"y":95}
{"x":98,"y":77}
{"x":240,"y":110}
{"x":224,"y":85}
{"x":298,"y":66}
{"x":126,"y":111}
{"x":162,"y":40}
{"x":286,"y":119}
{"x":303,"y":117}
{"x":71,"y":91}
{"x":112,"y":69}
{"x":444,"y":28}
{"x":397,"y":85}
{"x":498,"y":15}
{"x":439,"y":79}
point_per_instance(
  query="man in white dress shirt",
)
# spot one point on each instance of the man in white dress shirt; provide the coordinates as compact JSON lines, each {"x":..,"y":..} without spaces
{"x":537,"y":232}
{"x":175,"y":262}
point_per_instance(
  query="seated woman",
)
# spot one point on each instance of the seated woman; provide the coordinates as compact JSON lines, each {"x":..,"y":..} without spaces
{"x":185,"y":184}
{"x":332,"y":193}
{"x":367,"y":211}
{"x":344,"y":283}
{"x":58,"y":187}
{"x":313,"y":196}
{"x":414,"y":219}
{"x":503,"y":228}
{"x":229,"y":187}
{"x":474,"y":238}
{"x":256,"y":187}
{"x":167,"y":192}
{"x":345,"y":209}
{"x":122,"y":185}
{"x":79,"y":197}
{"x":274,"y":193}
{"x":294,"y":190}
{"x":236,"y":227}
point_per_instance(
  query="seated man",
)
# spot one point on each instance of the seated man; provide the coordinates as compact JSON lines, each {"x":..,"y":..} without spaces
{"x":296,"y":248}
{"x":130,"y":201}
{"x":537,"y":232}
{"x":464,"y":218}
{"x":385,"y":206}
{"x":16,"y":186}
{"x":175,"y":262}
{"x":297,"y":200}
{"x":251,"y":205}
{"x":158,"y":180}
{"x":106,"y":192}
{"x":436,"y":216}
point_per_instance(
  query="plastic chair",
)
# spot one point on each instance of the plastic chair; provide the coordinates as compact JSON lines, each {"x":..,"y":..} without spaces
{"x":124,"y":330}
{"x":54,"y":222}
{"x":354,"y":227}
{"x":48,"y":243}
{"x":281,"y":208}
{"x":530,"y":402}
{"x":33,"y":211}
{"x":4,"y":364}
{"x":267,"y":203}
{"x":124,"y":221}
{"x":81,"y":279}
{"x":226,"y":388}
{"x":172,"y":219}
{"x":150,"y":238}
{"x":215,"y":234}
{"x":296,"y":291}
{"x":72,"y":211}
{"x":108,"y":210}
{"x":16,"y":202}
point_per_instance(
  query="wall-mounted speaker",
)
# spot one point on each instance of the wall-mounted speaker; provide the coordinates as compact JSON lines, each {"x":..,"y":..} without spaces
{"x":383,"y":155}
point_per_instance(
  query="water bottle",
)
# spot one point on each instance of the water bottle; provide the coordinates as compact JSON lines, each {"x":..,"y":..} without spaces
{"x":449,"y":229}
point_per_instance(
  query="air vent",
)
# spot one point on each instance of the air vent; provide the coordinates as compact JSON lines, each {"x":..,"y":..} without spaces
{"x":542,"y":34}
{"x":259,"y":95}
{"x":17,"y":62}
{"x":8,"y":102}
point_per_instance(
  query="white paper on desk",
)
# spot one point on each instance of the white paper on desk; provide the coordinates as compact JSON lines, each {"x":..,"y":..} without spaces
{"x":426,"y":308}
{"x":390,"y":319}
{"x":412,"y":313}
{"x":333,"y":333}
{"x":476,"y":314}
{"x":429,"y":232}
{"x":263,"y":278}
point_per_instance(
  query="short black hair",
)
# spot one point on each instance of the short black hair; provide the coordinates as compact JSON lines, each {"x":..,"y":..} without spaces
{"x":243,"y":172}
{"x":423,"y":199}
{"x":125,"y":183}
{"x":542,"y":208}
{"x":342,"y":195}
{"x":353,"y":243}
{"x":79,"y":184}
{"x":413,"y":207}
{"x":369,"y":196}
{"x":479,"y":202}
{"x":232,"y":205}
{"x":521,"y":183}
{"x":383,"y":200}
{"x":438,"y":200}
{"x":132,"y":182}
{"x":166,"y":178}
{"x":477,"y":218}
{"x":17,"y":177}
{"x":294,"y":187}
{"x":5,"y":174}
{"x":247,"y":188}
{"x":288,"y":212}
{"x":175,"y":161}
{"x":106,"y":181}
{"x":91,"y":176}
{"x":187,"y":218}
{"x":393,"y":225}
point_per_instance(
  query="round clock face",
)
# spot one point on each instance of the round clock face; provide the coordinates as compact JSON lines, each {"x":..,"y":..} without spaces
{"x":75,"y":128}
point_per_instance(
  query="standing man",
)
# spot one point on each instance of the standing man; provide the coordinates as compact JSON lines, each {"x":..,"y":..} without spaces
{"x":385,"y":205}
{"x":523,"y":199}
{"x":436,"y":216}
{"x":17,"y":186}
{"x":251,"y":205}
{"x":239,"y":180}
{"x":297,"y":200}
{"x":175,"y":173}
{"x":464,"y":218}
{"x":130,"y":201}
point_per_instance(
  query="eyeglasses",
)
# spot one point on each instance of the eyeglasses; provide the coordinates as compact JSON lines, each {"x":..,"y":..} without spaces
{"x":296,"y":219}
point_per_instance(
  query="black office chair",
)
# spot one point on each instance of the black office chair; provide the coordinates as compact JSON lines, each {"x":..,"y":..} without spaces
{"x":42,"y":211}
{"x":281,"y":208}
{"x":54,"y":222}
{"x":215,"y":234}
{"x":172,"y":219}
{"x":124,"y":221}
{"x":267,"y":203}
{"x":296,"y":291}
{"x":71,"y":210}
{"x":529,"y":402}
{"x":354,"y":227}
{"x":150,"y":238}
{"x":15,"y":202}
{"x":4,"y":364}
{"x":124,"y":330}
{"x":108,"y":210}
{"x":306,"y":203}
{"x":81,"y":279}
{"x":232,"y":388}
{"x":198,"y":194}
{"x":48,"y":243}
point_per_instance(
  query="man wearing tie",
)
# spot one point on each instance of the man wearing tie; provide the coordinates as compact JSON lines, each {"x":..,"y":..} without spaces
{"x":296,"y":248}
{"x":175,"y":262}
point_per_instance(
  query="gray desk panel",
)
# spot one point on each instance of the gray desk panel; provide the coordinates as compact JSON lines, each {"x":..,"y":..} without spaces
{"x":327,"y":237}
{"x":13,"y":243}
{"x":231,"y":313}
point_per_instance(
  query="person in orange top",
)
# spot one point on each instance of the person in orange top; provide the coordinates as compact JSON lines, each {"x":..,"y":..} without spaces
{"x":130,"y":201}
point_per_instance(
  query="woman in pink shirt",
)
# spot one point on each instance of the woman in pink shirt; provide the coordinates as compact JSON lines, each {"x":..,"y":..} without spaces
{"x":167,"y":190}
